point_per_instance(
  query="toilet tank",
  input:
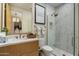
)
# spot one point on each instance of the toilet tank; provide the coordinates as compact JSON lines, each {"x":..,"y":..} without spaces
{"x":42,"y":42}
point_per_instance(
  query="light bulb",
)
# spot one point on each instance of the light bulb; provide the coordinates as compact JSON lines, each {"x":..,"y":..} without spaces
{"x":14,"y":19}
{"x":18,"y":20}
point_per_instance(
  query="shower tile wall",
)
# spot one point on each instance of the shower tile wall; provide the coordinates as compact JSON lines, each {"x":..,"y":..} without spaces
{"x":64,"y":28}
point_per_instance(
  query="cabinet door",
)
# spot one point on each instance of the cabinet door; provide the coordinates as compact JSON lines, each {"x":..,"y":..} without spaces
{"x":27,"y":48}
{"x":4,"y":51}
{"x":12,"y":49}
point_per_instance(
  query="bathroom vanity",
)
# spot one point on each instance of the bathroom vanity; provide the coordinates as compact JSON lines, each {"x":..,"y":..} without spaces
{"x":18,"y":22}
{"x":28,"y":47}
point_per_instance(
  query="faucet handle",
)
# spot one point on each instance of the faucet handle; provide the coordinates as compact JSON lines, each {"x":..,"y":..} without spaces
{"x":16,"y":37}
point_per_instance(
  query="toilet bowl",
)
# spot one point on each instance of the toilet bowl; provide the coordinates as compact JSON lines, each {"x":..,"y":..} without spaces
{"x":47,"y":50}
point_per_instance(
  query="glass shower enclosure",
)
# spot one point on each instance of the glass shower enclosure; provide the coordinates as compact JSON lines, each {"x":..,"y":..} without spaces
{"x":61,"y":35}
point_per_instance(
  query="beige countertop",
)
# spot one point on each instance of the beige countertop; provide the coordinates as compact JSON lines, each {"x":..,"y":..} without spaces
{"x":18,"y":41}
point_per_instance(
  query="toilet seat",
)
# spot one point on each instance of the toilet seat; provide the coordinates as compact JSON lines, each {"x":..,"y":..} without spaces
{"x":47,"y":48}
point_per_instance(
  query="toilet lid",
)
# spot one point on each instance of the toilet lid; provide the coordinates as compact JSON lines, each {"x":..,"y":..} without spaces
{"x":47,"y":48}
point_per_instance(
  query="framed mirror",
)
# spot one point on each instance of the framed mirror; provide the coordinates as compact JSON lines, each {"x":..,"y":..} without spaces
{"x":18,"y":18}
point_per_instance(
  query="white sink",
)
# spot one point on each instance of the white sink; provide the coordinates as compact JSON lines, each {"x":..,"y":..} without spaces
{"x":13,"y":40}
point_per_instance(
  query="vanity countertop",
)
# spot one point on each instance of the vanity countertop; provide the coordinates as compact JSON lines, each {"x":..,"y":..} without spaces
{"x":17,"y":42}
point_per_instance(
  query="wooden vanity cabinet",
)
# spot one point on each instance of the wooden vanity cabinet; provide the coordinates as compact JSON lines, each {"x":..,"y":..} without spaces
{"x":21,"y":49}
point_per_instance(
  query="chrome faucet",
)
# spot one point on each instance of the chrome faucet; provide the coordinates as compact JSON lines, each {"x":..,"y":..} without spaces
{"x":19,"y":35}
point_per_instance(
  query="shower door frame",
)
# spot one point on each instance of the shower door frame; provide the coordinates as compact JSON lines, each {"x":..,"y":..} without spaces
{"x":75,"y":47}
{"x":76,"y":29}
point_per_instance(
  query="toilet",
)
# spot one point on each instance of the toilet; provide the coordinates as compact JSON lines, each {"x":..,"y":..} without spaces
{"x":47,"y":50}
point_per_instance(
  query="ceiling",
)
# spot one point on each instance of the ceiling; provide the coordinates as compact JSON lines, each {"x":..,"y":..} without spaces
{"x":23,"y":5}
{"x":29,"y":5}
{"x":55,"y":4}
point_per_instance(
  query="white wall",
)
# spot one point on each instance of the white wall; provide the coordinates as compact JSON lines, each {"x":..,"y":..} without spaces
{"x":65,"y":28}
{"x":49,"y":35}
{"x":26,"y":18}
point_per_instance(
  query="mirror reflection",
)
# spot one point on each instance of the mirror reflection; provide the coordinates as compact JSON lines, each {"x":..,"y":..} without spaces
{"x":18,"y":18}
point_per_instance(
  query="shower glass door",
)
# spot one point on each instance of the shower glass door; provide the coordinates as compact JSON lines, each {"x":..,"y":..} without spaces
{"x":61,"y":35}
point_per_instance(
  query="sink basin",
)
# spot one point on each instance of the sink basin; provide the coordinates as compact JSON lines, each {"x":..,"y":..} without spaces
{"x":12,"y":40}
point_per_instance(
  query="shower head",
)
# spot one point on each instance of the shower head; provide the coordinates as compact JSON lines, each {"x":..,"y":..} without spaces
{"x":54,"y":14}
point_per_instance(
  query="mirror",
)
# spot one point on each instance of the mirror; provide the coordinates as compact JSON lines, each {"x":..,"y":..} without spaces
{"x":2,"y":18}
{"x":18,"y":18}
